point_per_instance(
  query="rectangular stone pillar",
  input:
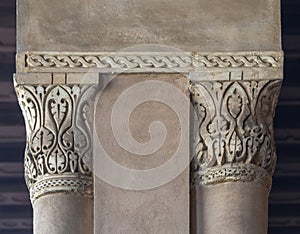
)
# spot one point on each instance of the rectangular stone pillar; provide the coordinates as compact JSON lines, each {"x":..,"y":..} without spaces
{"x":142,"y":59}
{"x":143,"y":189}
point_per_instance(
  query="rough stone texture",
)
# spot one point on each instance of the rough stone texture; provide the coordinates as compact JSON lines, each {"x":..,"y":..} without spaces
{"x":231,"y":208}
{"x":62,"y":214}
{"x":106,"y":25}
{"x":160,"y":210}
{"x":163,"y":210}
{"x":196,"y":25}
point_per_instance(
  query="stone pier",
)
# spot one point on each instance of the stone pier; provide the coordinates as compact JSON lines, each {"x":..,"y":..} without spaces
{"x":209,"y":71}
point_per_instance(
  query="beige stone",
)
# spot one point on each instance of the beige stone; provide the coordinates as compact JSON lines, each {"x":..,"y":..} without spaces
{"x":230,"y":51}
{"x":195,"y":25}
{"x":231,"y":208}
{"x":163,"y":209}
{"x":63,"y":213}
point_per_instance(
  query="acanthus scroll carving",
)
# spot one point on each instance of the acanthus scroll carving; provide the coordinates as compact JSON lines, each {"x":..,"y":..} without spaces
{"x":235,"y":127}
{"x":58,"y":120}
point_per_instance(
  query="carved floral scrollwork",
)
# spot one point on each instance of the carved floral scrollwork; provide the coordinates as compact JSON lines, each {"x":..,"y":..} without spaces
{"x":235,"y":125}
{"x":58,"y":134}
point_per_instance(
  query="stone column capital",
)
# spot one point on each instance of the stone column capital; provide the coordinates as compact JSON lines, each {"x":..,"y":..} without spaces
{"x":58,"y":117}
{"x":235,"y":135}
{"x":234,"y":95}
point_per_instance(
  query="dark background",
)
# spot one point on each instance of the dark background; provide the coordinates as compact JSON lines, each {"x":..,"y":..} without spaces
{"x":284,"y":208}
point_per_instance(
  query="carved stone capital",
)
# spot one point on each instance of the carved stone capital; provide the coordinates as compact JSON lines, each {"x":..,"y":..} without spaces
{"x":235,"y":136}
{"x":234,"y":94}
{"x":58,"y":121}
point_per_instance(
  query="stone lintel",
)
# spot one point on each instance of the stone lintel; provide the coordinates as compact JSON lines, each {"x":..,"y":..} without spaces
{"x":202,"y":66}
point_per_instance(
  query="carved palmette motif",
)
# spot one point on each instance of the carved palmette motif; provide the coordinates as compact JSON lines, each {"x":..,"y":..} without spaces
{"x":235,"y":130}
{"x":58,"y":120}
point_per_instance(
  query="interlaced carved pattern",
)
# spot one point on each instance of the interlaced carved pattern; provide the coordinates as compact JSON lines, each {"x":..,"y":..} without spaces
{"x":58,"y":130}
{"x":152,"y":60}
{"x":235,"y":128}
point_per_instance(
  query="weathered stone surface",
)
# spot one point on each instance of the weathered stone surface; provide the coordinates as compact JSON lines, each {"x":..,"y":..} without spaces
{"x":241,"y":65}
{"x":237,"y":129}
{"x":236,"y":132}
{"x":196,"y":25}
{"x":231,"y":208}
{"x":163,"y":209}
{"x":57,"y":118}
{"x":58,"y":136}
{"x":62,"y":214}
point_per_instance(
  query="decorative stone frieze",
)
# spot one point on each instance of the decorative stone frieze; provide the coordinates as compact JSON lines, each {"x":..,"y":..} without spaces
{"x":234,"y":94}
{"x":58,"y":121}
{"x":236,"y":141}
{"x":169,"y":62}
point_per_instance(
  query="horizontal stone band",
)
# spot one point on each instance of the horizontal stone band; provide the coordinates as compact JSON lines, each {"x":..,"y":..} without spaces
{"x":65,"y":183}
{"x":233,"y":173}
{"x":172,"y":62}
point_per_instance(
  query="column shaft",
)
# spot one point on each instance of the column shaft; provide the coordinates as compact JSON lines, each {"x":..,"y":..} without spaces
{"x":61,"y":213}
{"x":233,"y":207}
{"x":234,"y":155}
{"x":58,"y":116}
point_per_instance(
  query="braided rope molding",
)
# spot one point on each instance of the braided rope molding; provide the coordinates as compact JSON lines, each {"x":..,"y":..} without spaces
{"x":38,"y":61}
{"x":80,"y":185}
{"x":244,"y":172}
